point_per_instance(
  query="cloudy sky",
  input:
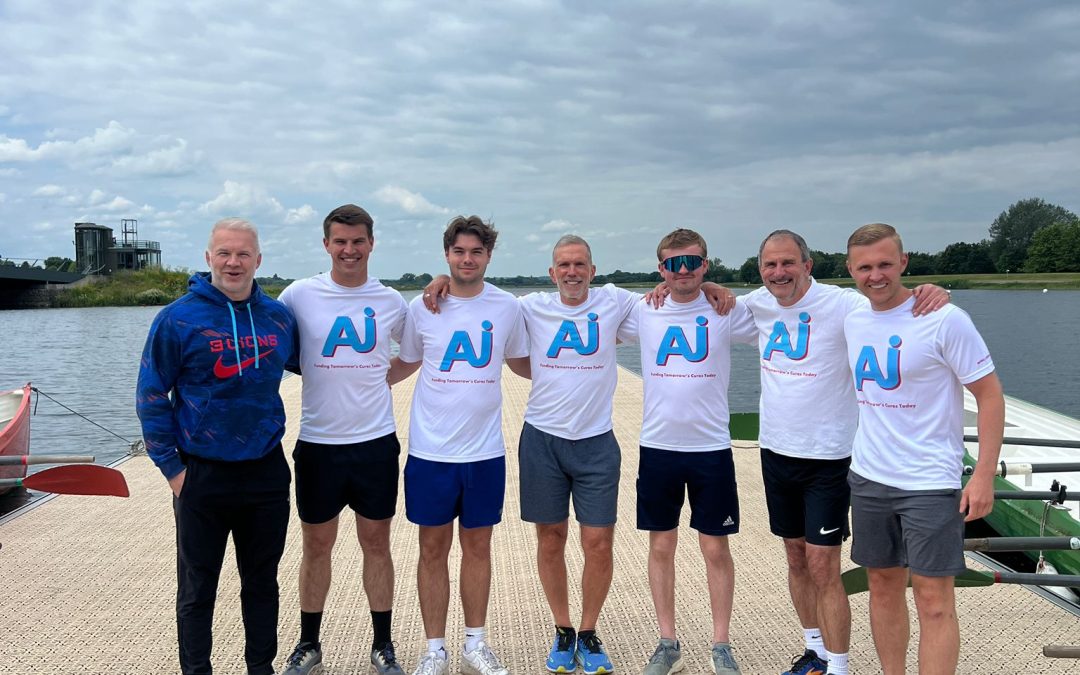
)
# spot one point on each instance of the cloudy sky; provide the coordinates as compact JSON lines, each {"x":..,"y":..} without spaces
{"x":615,"y":120}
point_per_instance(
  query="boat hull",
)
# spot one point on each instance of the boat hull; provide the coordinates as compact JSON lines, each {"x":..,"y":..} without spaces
{"x":14,"y":430}
{"x":1016,"y":518}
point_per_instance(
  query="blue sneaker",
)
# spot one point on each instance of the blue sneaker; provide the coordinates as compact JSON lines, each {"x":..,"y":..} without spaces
{"x":561,"y":658}
{"x":807,"y":664}
{"x":591,"y":656}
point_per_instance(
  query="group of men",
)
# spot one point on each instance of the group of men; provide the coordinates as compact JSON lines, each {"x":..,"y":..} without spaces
{"x":833,"y":385}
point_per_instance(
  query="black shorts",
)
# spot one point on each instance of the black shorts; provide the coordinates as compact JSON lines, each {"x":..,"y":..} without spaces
{"x":363,"y":476}
{"x":807,"y":497}
{"x":666,"y":476}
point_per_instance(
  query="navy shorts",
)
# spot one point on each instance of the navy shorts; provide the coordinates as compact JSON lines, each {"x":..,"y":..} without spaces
{"x":665,"y":476}
{"x":438,"y":492}
{"x":919,"y":529}
{"x":362,"y":476}
{"x":807,"y":497}
{"x":553,"y":469}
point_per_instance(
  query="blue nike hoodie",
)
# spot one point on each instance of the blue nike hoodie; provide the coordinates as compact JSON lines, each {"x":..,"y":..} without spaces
{"x":209,"y":376}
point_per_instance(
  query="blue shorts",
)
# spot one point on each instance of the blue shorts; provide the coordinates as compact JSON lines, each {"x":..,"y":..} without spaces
{"x":438,"y":492}
{"x":665,"y":476}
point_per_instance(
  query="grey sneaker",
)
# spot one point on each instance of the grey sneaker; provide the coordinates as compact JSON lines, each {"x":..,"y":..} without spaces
{"x":482,"y":661}
{"x":306,"y":659}
{"x":384,"y":660}
{"x":667,"y":658}
{"x":432,"y":663}
{"x":723,"y":661}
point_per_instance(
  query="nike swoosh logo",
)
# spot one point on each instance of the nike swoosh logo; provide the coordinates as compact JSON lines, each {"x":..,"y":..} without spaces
{"x":824,"y":531}
{"x":223,"y":371}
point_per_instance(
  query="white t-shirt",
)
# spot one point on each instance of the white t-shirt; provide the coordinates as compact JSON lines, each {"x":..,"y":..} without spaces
{"x":345,"y":338}
{"x":909,"y":374}
{"x":572,"y":354}
{"x":456,"y":413}
{"x":807,"y":399}
{"x":686,"y":367}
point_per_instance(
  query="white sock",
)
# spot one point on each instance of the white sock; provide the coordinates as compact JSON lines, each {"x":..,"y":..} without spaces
{"x":437,"y":645}
{"x":838,"y":664}
{"x":473,"y":637}
{"x":814,"y":641}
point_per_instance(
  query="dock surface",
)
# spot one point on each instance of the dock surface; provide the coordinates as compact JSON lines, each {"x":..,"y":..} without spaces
{"x":91,"y":582}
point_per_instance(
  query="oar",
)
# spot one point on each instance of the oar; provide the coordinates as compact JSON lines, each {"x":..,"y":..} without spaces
{"x":1057,"y":496}
{"x":857,"y":581}
{"x":1026,"y":468}
{"x":1032,"y":442}
{"x":1023,"y":544}
{"x":74,"y":479}
{"x":8,"y":460}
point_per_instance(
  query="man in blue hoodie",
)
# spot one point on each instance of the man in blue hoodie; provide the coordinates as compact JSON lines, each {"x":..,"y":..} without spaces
{"x":213,"y":420}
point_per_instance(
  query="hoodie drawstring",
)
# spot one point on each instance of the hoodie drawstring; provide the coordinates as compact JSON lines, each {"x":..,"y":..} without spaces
{"x":254,"y":337}
{"x":236,"y":339}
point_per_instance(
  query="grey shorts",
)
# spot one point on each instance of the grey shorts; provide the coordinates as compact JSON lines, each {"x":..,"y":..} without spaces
{"x":919,"y":529}
{"x":553,"y":469}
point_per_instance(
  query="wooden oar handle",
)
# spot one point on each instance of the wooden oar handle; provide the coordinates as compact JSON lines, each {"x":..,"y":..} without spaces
{"x":9,"y":460}
{"x":1023,"y":544}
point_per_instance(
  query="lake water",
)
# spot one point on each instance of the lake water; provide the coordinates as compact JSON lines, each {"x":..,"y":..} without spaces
{"x":88,"y":360}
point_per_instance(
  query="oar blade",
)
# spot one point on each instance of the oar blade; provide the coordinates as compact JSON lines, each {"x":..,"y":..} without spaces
{"x":857,"y":581}
{"x":79,"y":479}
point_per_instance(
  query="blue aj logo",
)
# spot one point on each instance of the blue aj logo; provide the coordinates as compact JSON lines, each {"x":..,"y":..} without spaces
{"x":461,"y":349}
{"x":868,"y":367}
{"x":780,"y":340}
{"x":568,"y":337}
{"x":343,"y":334}
{"x":674,"y":343}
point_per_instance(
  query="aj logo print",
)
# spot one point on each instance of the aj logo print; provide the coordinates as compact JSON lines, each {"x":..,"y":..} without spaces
{"x":461,"y":349}
{"x":343,"y":334}
{"x":674,"y":343}
{"x":568,"y":337}
{"x":868,"y":367}
{"x":780,"y":340}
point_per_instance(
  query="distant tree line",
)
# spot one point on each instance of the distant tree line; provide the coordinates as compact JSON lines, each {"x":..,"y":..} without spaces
{"x":1030,"y":236}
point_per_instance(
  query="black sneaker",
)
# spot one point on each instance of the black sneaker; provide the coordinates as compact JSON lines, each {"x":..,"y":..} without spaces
{"x":384,"y":660}
{"x":807,"y":664}
{"x":306,"y":659}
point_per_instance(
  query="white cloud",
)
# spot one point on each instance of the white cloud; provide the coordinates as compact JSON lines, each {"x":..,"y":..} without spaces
{"x":49,"y":190}
{"x":246,"y":201}
{"x":410,"y":202}
{"x":174,"y":160}
{"x":560,"y":226}
{"x":118,"y":204}
{"x":304,"y":214}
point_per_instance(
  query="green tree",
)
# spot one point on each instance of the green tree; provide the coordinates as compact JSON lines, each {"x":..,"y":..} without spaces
{"x":59,"y":263}
{"x":965,"y":258}
{"x":749,"y":272}
{"x":1055,"y":248}
{"x":921,"y":263}
{"x":1012,"y":231}
{"x":718,"y":273}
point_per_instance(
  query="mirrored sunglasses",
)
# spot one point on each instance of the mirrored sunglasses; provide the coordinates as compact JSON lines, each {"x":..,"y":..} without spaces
{"x":677,"y":262}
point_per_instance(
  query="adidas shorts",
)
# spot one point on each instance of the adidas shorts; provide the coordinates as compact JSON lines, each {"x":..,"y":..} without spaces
{"x":664,"y":476}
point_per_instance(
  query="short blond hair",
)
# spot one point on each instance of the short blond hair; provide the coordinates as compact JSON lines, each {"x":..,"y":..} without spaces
{"x":682,"y":238}
{"x":872,"y":234}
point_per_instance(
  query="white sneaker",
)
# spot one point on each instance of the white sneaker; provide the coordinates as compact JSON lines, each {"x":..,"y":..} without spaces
{"x":482,"y":661}
{"x":432,"y":664}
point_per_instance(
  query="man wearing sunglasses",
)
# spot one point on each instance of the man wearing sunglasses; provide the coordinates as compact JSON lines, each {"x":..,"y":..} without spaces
{"x":567,"y":449}
{"x":685,"y":441}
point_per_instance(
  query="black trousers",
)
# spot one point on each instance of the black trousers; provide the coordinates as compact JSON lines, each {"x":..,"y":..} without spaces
{"x":250,"y":500}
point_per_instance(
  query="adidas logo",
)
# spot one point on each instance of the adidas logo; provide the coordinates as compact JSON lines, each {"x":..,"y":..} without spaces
{"x":729,"y":521}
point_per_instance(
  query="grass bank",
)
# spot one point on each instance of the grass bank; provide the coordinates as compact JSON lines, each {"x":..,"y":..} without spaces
{"x":128,"y":289}
{"x":1034,"y":282}
{"x":160,"y":287}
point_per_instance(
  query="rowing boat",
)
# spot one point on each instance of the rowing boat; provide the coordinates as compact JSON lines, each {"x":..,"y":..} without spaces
{"x":14,"y":429}
{"x":1016,"y":518}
